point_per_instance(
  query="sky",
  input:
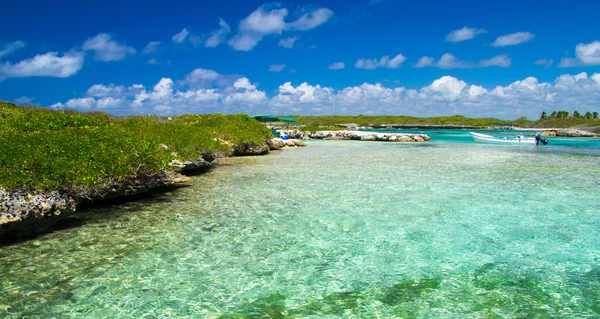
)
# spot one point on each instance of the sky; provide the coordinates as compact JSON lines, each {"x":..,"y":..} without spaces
{"x":502,"y":59}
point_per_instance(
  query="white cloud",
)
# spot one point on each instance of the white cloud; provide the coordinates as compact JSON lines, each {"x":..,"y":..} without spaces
{"x":180,"y":36}
{"x":463,"y":34}
{"x":544,"y":62}
{"x":586,"y":54}
{"x":11,"y":47}
{"x":287,"y":42}
{"x":116,"y":91}
{"x":311,"y":19}
{"x":569,"y":62}
{"x":425,"y":61}
{"x":24,"y":100}
{"x":48,"y":64}
{"x":153,"y":61}
{"x":276,"y":67}
{"x":218,"y":36}
{"x":201,"y":78}
{"x":261,"y":23}
{"x":513,"y":39}
{"x":152,"y":46}
{"x":337,"y":66}
{"x":107,"y":49}
{"x":444,"y":96}
{"x":384,"y":62}
{"x":449,"y":61}
{"x":446,"y":87}
{"x":502,"y":61}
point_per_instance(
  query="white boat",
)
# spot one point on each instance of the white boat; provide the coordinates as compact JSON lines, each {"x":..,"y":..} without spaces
{"x":517,"y":140}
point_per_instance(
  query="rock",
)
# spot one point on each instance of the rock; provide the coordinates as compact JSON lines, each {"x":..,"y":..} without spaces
{"x":275,"y":143}
{"x":549,"y":133}
{"x":369,"y":136}
{"x":245,"y":149}
{"x":574,"y":133}
{"x":24,"y":213}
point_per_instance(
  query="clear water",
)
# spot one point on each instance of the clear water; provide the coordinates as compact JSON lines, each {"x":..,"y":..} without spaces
{"x":338,"y":229}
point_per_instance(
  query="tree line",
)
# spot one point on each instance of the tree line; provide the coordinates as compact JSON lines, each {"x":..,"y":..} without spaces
{"x":567,"y":115}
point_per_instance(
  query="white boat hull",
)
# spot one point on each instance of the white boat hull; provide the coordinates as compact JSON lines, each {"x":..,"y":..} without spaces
{"x":488,"y":139}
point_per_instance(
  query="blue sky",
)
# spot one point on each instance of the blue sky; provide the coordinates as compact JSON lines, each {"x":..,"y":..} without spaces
{"x":475,"y":58}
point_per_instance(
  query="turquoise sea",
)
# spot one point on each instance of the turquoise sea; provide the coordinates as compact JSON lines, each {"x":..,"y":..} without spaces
{"x":340,"y":229}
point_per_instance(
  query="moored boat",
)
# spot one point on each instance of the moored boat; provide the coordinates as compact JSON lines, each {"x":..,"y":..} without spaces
{"x":517,"y":140}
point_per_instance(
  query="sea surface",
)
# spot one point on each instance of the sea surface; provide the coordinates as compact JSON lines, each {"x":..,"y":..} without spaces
{"x":339,"y":229}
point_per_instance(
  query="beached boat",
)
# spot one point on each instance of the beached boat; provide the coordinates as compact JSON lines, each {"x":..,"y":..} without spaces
{"x":519,"y":139}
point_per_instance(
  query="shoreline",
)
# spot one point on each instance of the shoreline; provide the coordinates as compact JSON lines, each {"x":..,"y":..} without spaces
{"x":25,"y":213}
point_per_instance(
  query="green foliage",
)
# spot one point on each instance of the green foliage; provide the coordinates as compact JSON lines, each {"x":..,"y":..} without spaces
{"x":314,"y":128}
{"x":42,"y":149}
{"x":362,"y":120}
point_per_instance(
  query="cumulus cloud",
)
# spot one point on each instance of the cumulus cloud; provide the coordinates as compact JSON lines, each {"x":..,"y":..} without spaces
{"x":513,"y":39}
{"x":48,"y":64}
{"x":425,"y":61}
{"x":463,"y":34}
{"x":152,"y":46}
{"x":444,"y":96}
{"x":449,"y":61}
{"x":11,"y":47}
{"x":586,"y":54}
{"x":337,"y":66}
{"x":276,"y":67}
{"x":218,"y":36}
{"x":261,"y":23}
{"x":115,"y":91}
{"x":180,"y":36}
{"x":502,"y":61}
{"x":107,"y":49}
{"x":287,"y":42}
{"x":384,"y":62}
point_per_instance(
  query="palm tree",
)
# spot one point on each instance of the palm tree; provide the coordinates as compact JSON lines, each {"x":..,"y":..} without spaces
{"x":544,"y":115}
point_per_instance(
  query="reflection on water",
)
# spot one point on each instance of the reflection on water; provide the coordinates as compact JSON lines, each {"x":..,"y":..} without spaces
{"x":338,"y":229}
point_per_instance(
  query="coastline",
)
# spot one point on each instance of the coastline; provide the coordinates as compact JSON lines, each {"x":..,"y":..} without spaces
{"x":26,"y":212}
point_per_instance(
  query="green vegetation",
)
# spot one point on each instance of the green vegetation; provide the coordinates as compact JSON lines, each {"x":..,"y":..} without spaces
{"x":41,"y":149}
{"x":332,"y":121}
{"x":563,"y":119}
{"x":313,"y":128}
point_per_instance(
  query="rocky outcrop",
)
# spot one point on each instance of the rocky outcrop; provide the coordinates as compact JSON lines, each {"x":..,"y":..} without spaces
{"x":575,"y":133}
{"x":569,"y":132}
{"x":23,"y":212}
{"x":246,"y":149}
{"x":356,"y":135}
{"x":370,"y":136}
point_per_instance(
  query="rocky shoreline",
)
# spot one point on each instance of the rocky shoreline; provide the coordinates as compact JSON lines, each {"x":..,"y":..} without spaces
{"x":24,"y":213}
{"x":357,"y":136}
{"x":568,"y":133}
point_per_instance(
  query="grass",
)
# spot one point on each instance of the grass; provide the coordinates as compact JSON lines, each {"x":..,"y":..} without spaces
{"x":42,"y":149}
{"x":332,"y":121}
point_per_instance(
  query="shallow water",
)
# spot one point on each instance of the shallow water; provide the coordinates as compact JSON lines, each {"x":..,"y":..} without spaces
{"x":338,"y":229}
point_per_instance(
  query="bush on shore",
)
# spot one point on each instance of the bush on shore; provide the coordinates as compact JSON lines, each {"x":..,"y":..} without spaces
{"x":42,"y":149}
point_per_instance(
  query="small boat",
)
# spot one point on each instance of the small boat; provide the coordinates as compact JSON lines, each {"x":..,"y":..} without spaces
{"x":517,"y":140}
